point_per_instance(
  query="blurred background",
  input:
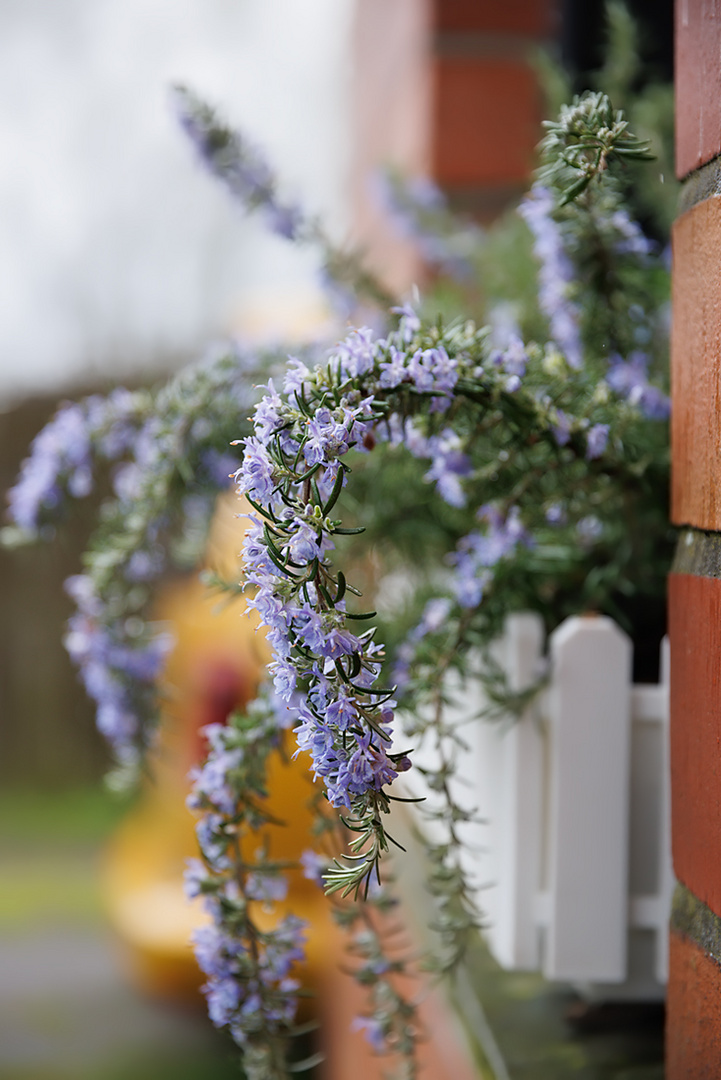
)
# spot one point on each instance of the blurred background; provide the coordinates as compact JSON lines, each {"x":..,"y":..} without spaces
{"x":120,"y":259}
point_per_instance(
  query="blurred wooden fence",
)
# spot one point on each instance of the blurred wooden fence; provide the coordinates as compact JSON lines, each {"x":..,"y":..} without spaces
{"x":47,"y":731}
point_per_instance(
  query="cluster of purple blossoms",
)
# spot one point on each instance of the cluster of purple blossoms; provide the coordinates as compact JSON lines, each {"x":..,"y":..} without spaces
{"x":449,"y":464}
{"x":115,"y":672}
{"x":478,"y":552}
{"x":629,"y":378}
{"x":251,"y":986}
{"x":562,"y":425}
{"x":212,"y":782}
{"x":61,"y":456}
{"x":512,"y":360}
{"x":251,"y":993}
{"x":556,"y":274}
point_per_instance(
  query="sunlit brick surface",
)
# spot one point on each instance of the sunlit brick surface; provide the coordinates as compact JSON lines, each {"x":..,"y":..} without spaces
{"x":693,"y":1041}
{"x":696,"y":367}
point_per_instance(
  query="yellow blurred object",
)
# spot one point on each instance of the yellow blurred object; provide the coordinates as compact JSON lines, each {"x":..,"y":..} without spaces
{"x":214,"y":668}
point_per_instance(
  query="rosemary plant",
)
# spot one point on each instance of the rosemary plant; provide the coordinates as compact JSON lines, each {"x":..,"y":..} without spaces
{"x":523,"y":460}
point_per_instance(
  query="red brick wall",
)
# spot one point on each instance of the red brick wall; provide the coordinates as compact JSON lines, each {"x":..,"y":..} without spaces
{"x":486,"y":100}
{"x":694,"y":996}
{"x":444,"y":88}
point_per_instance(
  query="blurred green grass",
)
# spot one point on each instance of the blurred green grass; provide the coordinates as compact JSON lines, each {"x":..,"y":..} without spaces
{"x":50,"y":844}
{"x":85,"y":815}
{"x":155,"y":1067}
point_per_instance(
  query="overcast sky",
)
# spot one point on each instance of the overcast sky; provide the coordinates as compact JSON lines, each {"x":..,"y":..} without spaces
{"x":116,"y":249}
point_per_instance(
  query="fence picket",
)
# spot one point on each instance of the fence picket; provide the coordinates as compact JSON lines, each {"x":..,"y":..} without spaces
{"x":589,"y":717}
{"x":515,"y":939}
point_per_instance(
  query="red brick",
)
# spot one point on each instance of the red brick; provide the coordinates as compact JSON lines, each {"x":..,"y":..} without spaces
{"x":695,"y":632}
{"x":696,"y":367}
{"x":486,"y":120}
{"x":698,"y":83}
{"x":532,"y":17}
{"x":693,"y":1013}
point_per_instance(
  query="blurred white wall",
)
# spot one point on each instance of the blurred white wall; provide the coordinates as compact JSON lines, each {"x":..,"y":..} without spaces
{"x":116,"y":249}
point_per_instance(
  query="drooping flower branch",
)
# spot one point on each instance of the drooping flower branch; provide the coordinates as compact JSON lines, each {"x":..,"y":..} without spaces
{"x":169,"y":454}
{"x":244,"y":170}
{"x":252,"y":970}
{"x":62,"y":457}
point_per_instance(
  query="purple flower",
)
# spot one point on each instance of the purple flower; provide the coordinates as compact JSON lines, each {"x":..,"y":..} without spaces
{"x":305,"y":544}
{"x":449,"y":465}
{"x":328,"y":437}
{"x":112,"y":669}
{"x":223,"y":997}
{"x":194,"y":875}
{"x":515,"y":359}
{"x":342,"y":712}
{"x":561,"y":428}
{"x":596,"y":440}
{"x":268,"y":419}
{"x":340,"y":642}
{"x":373,"y":1031}
{"x":296,"y":376}
{"x":478,"y":552}
{"x":211,"y":782}
{"x":368,"y":766}
{"x":357,"y":353}
{"x":314,"y":866}
{"x":434,"y":615}
{"x":393,"y":371}
{"x":211,"y":840}
{"x":284,"y":678}
{"x":631,"y":240}
{"x":556,"y":514}
{"x":310,"y":628}
{"x":410,"y":324}
{"x":256,"y":476}
{"x":629,"y":379}
{"x":266,"y":887}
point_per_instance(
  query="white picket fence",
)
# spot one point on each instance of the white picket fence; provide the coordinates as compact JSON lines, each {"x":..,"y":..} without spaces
{"x":572,"y":861}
